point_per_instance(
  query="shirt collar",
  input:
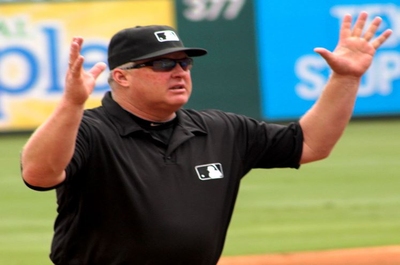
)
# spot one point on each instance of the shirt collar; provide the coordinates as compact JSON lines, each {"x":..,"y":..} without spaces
{"x":126,"y":125}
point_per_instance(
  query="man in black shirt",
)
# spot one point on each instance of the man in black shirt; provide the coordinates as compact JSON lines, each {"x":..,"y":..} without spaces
{"x":140,"y":180}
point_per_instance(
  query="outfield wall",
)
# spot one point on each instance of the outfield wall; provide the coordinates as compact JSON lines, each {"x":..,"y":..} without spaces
{"x":261,"y":61}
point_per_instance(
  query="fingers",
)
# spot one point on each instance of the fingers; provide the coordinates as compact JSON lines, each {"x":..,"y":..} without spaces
{"x":345,"y":30}
{"x":97,"y":69}
{"x":370,"y":33}
{"x":381,"y":38}
{"x":358,"y":28}
{"x":359,"y":25}
{"x":76,"y":67}
{"x":74,"y":50}
{"x":75,"y":59}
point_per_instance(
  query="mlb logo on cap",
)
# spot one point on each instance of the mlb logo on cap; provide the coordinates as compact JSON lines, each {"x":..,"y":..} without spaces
{"x":145,"y":42}
{"x":166,"y":35}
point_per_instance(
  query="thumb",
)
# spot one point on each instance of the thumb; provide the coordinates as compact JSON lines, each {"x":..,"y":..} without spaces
{"x":327,"y":55}
{"x":97,"y":69}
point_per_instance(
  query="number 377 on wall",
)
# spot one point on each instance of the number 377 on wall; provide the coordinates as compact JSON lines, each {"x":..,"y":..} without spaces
{"x":199,"y":10}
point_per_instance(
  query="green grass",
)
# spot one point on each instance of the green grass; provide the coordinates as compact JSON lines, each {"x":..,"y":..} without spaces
{"x":351,"y":199}
{"x":26,"y":216}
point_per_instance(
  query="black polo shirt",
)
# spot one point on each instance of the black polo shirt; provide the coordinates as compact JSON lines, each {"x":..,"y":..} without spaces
{"x":129,"y":199}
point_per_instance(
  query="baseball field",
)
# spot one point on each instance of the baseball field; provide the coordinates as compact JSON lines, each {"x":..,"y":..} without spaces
{"x":344,"y":210}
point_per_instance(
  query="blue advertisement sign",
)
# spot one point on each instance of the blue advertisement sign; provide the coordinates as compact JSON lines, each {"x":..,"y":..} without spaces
{"x":292,"y":75}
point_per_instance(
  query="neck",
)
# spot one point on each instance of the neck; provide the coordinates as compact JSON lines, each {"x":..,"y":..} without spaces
{"x":152,"y":116}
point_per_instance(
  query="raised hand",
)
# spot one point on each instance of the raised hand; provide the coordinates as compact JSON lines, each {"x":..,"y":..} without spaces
{"x":355,"y":50}
{"x":78,"y":83}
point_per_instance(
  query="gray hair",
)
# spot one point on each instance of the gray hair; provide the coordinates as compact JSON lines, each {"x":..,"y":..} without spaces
{"x":124,"y":66}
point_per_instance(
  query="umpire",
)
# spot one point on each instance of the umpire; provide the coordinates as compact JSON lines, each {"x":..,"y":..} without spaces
{"x":141,"y":180}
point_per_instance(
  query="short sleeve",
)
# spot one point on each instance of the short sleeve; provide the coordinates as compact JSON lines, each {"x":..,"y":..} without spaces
{"x":275,"y":146}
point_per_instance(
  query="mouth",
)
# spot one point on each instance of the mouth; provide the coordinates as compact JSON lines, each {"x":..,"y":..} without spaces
{"x":178,"y":87}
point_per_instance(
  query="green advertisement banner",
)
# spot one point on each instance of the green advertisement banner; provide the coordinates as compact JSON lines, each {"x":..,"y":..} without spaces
{"x":226,"y":78}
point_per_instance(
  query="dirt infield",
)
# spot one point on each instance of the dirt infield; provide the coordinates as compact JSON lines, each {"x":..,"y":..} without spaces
{"x":361,"y":256}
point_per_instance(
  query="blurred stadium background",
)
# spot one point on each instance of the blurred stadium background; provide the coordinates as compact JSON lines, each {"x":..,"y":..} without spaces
{"x":260,"y":64}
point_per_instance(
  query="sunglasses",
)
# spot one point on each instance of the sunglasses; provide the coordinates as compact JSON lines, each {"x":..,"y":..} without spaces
{"x":164,"y":65}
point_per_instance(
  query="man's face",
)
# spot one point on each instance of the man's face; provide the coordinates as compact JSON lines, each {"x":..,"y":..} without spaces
{"x":153,"y":90}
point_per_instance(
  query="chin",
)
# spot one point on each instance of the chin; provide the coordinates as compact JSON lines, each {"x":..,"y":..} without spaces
{"x":178,"y":101}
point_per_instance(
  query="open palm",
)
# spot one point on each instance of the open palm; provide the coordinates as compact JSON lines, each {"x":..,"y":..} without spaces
{"x":354,"y":52}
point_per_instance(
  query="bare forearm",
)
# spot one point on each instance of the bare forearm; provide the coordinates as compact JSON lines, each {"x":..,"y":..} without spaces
{"x":51,"y":146}
{"x":325,"y":122}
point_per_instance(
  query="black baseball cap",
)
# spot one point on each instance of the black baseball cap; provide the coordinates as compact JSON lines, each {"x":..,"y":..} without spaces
{"x":144,"y":42}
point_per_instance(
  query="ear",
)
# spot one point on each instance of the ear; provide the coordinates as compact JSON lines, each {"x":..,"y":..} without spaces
{"x":120,"y":77}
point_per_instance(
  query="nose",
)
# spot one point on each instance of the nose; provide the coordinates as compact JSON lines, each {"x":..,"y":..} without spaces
{"x":179,"y":66}
{"x":179,"y":69}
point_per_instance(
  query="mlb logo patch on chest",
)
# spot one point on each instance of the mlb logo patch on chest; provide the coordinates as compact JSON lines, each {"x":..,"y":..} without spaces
{"x":209,"y":171}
